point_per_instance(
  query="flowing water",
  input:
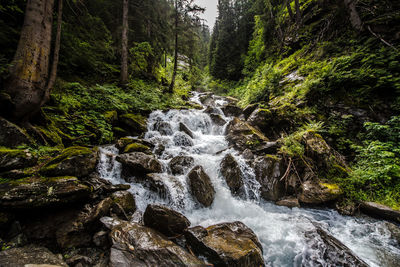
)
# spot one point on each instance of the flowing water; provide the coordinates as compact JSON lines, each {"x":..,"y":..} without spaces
{"x":283,"y":232}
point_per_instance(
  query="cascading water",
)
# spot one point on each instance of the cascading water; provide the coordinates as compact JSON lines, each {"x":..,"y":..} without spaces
{"x":283,"y":232}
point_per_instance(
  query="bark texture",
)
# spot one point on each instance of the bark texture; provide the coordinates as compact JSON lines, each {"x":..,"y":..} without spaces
{"x":172,"y":85}
{"x":124,"y":52}
{"x":354,"y":16}
{"x":29,"y":72}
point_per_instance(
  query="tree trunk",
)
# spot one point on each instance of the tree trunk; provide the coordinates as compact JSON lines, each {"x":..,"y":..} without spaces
{"x":172,"y":85}
{"x":29,"y":72}
{"x":56,"y":54}
{"x":354,"y":16}
{"x":124,"y":52}
{"x":298,"y":11}
{"x":289,"y":9}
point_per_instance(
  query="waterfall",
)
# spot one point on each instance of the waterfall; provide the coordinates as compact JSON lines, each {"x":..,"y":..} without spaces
{"x":283,"y":232}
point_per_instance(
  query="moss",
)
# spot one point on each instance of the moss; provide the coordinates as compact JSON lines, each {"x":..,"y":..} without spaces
{"x":13,"y":153}
{"x":67,"y":154}
{"x":332,"y":188}
{"x":139,"y":119}
{"x":136,"y":147}
{"x":51,"y":135}
{"x":273,"y":157}
{"x":120,"y":132}
{"x":111,"y":116}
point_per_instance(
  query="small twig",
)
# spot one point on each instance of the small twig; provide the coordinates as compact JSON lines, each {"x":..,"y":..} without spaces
{"x":380,"y":38}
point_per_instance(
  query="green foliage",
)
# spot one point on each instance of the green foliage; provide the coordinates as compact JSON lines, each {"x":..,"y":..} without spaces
{"x":142,"y":59}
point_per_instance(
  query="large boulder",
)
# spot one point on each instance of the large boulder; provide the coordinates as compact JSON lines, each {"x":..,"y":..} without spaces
{"x":133,"y":123}
{"x":231,"y":110}
{"x":138,"y":163}
{"x":226,"y":244}
{"x":182,"y":139}
{"x":230,"y":170}
{"x":201,"y":186}
{"x":124,"y":203}
{"x":30,"y":256}
{"x":268,"y":171}
{"x":11,"y":159}
{"x":42,"y":192}
{"x":136,"y":245}
{"x":11,"y":135}
{"x":248,"y":110}
{"x":74,"y":161}
{"x":380,"y":211}
{"x":181,"y":164}
{"x":316,"y":193}
{"x":217,"y":119}
{"x":165,"y":220}
{"x":243,"y":136}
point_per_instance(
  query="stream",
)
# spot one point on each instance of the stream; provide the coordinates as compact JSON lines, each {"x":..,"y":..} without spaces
{"x":283,"y":232}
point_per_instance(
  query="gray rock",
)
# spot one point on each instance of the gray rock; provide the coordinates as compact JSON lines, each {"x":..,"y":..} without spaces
{"x":136,"y":245}
{"x":164,"y":128}
{"x":248,"y":110}
{"x":182,"y":139}
{"x":11,"y":135}
{"x":186,"y":130}
{"x":165,"y":220}
{"x":232,"y":110}
{"x":226,"y":244}
{"x":11,"y":159}
{"x":290,"y":202}
{"x":380,"y":211}
{"x":180,"y":164}
{"x":29,"y":255}
{"x":201,"y":186}
{"x":217,"y":119}
{"x":135,"y":124}
{"x":138,"y":163}
{"x":124,"y":203}
{"x":230,"y":170}
{"x":317,"y":193}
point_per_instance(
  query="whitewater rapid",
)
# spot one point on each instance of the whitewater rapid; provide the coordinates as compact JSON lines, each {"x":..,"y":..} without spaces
{"x":282,"y":231}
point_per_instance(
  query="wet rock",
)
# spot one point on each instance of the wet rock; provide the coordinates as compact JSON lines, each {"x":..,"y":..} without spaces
{"x":226,"y":244}
{"x":232,"y":110}
{"x":248,"y":110}
{"x":243,"y":136}
{"x":186,"y":130}
{"x":124,"y":142}
{"x":11,"y":135}
{"x":73,"y":161}
{"x":136,"y":245}
{"x":133,"y":123}
{"x":29,"y":255}
{"x":159,"y":150}
{"x":181,"y":164}
{"x":267,"y":148}
{"x":346,"y":208}
{"x":394,"y":231}
{"x":317,"y":193}
{"x":100,"y":239}
{"x":269,"y":171}
{"x":217,"y":119}
{"x":11,"y":159}
{"x":380,"y":211}
{"x":207,"y":100}
{"x":79,"y":259}
{"x":260,"y":118}
{"x":201,"y":186}
{"x":138,"y":163}
{"x":165,"y":220}
{"x":182,"y":139}
{"x":290,"y":202}
{"x":230,"y":170}
{"x":102,"y":188}
{"x":124,"y":203}
{"x":211,"y":110}
{"x":42,"y":192}
{"x":163,"y":127}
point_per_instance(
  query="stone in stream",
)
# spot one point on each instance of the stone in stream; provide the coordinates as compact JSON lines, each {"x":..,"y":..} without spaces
{"x":30,"y":256}
{"x":182,"y":139}
{"x":137,"y":245}
{"x":230,"y":170}
{"x":163,"y":127}
{"x":217,"y":119}
{"x":138,"y":163}
{"x":180,"y":164}
{"x":165,"y":220}
{"x":314,"y":193}
{"x":201,"y":186}
{"x":11,"y":159}
{"x":226,"y":244}
{"x":186,"y":130}
{"x":380,"y":211}
{"x":124,"y":203}
{"x":290,"y":202}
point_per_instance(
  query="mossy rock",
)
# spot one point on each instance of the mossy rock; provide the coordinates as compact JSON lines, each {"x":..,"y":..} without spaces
{"x":135,"y":124}
{"x":119,"y":132}
{"x":11,"y":159}
{"x":12,"y":135}
{"x":74,"y":161}
{"x":111,"y":116}
{"x":129,"y":144}
{"x":51,"y":136}
{"x":137,"y":147}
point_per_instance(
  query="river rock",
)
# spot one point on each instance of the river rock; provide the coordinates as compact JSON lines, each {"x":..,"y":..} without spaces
{"x":318,"y":193}
{"x":380,"y":211}
{"x":182,"y":139}
{"x":231,"y":110}
{"x":269,"y":171}
{"x":201,"y":186}
{"x":226,"y":244}
{"x":138,"y":163}
{"x":243,"y":136}
{"x":42,"y":192}
{"x":290,"y":202}
{"x":260,"y":118}
{"x":124,"y":203}
{"x":230,"y":170}
{"x":165,"y":220}
{"x":163,"y":127}
{"x":30,"y":256}
{"x":124,"y":142}
{"x":211,"y":110}
{"x":217,"y":119}
{"x":11,"y":135}
{"x":394,"y":231}
{"x":134,"y":124}
{"x":180,"y":164}
{"x":207,"y":99}
{"x":74,"y":161}
{"x":136,"y":245}
{"x":11,"y":159}
{"x":186,"y":130}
